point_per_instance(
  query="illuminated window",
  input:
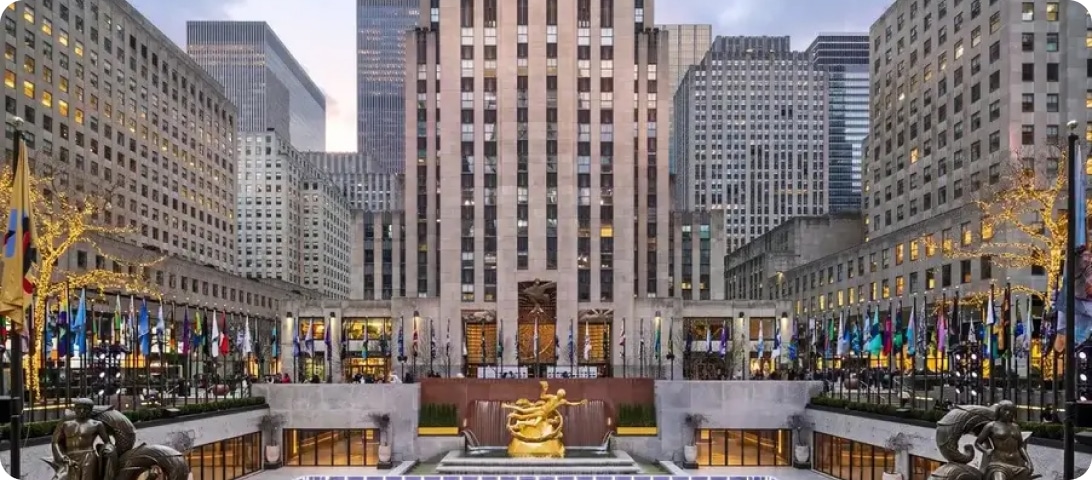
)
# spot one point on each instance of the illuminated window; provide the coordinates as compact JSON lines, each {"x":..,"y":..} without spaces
{"x":62,"y":108}
{"x":62,"y":37}
{"x":28,"y":89}
{"x":739,"y":448}
{"x":913,"y":250}
{"x":78,"y":48}
{"x":1052,"y":11}
{"x":965,"y":237}
{"x":79,"y":116}
{"x":900,"y":285}
{"x":28,"y":14}
{"x":899,"y":251}
{"x":47,"y":26}
{"x":227,"y":459}
{"x":9,"y":78}
{"x":846,"y":459}
{"x":914,"y":155}
{"x":28,"y":64}
{"x":987,"y":231}
{"x":606,"y":231}
{"x":47,"y":98}
{"x":329,"y":448}
{"x":958,"y":49}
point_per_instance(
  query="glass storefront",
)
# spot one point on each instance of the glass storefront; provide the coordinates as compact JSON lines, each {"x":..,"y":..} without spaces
{"x":743,"y":448}
{"x":227,"y":459}
{"x":921,"y":467}
{"x":331,"y":448}
{"x":849,"y":460}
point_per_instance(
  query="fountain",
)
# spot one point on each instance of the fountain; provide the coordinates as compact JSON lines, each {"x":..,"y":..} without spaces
{"x":536,"y":442}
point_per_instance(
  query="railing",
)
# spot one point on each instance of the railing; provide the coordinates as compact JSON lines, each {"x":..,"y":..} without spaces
{"x":111,"y":375}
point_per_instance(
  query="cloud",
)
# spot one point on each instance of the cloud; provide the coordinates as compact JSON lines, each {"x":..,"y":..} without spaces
{"x":171,"y":16}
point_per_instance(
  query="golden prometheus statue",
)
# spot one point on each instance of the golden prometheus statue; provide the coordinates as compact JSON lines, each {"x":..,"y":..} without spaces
{"x":536,"y":426}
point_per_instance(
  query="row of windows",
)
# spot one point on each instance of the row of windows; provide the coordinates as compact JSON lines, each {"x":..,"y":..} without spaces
{"x":227,"y":459}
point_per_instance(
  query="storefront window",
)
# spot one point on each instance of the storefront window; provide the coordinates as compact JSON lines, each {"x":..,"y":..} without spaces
{"x":227,"y":459}
{"x":331,"y":448}
{"x":849,"y":460}
{"x":743,"y":448}
{"x":921,"y":468}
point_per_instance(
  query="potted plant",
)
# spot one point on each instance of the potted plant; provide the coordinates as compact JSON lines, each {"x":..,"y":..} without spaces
{"x":693,"y":421}
{"x":382,"y":421}
{"x":270,"y":425}
{"x":899,"y":443}
{"x":800,"y":425}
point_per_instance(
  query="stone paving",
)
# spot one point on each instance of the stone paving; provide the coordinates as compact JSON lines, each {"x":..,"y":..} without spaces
{"x":708,"y":473}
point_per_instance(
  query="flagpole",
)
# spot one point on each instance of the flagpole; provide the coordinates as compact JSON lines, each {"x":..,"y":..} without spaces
{"x":17,"y":387}
{"x":1068,"y":467}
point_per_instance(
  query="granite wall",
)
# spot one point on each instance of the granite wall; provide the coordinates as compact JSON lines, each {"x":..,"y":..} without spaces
{"x":208,"y":429}
{"x":1048,"y":460}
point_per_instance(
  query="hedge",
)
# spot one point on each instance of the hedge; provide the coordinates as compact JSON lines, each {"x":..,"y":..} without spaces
{"x":1046,"y":431}
{"x":438,"y":415}
{"x":636,"y":415}
{"x":45,"y":429}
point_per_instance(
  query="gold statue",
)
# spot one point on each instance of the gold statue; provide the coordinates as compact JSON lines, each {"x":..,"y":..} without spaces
{"x":536,"y":427}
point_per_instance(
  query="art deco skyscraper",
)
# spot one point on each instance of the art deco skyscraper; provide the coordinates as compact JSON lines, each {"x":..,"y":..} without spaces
{"x":548,"y":167}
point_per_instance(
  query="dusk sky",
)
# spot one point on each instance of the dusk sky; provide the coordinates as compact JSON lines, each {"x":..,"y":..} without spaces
{"x":323,"y":38}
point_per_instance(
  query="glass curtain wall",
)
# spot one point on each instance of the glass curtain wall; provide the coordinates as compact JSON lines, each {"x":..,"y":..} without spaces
{"x":227,"y":459}
{"x":849,"y":460}
{"x":331,"y":448}
{"x":743,"y":448}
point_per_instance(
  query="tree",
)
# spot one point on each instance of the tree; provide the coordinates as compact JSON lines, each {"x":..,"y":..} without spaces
{"x":67,"y":216}
{"x":1024,"y":224}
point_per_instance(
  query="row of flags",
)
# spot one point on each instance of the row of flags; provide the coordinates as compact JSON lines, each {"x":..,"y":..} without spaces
{"x":1004,"y":330}
{"x":69,"y":330}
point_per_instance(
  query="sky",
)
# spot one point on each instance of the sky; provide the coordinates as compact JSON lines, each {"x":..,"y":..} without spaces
{"x":323,"y":39}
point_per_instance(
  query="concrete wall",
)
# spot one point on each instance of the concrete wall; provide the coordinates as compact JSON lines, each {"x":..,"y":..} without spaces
{"x":348,"y":405}
{"x":204,"y":431}
{"x":1048,"y":461}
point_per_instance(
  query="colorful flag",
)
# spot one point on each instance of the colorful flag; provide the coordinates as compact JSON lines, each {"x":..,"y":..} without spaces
{"x":247,"y":346}
{"x":64,"y":339}
{"x":431,"y":339}
{"x":160,"y":329}
{"x":875,"y":343}
{"x":500,"y":342}
{"x":186,"y":330}
{"x":214,"y":337}
{"x":20,"y":243}
{"x":761,"y":347}
{"x":587,"y":341}
{"x":80,"y":325}
{"x":708,"y":337}
{"x":723,"y":339}
{"x":911,"y":330}
{"x":145,"y":329}
{"x":572,"y":341}
{"x":622,"y":341}
{"x":656,"y":347}
{"x":416,"y":337}
{"x":776,"y":353}
{"x":117,"y":329}
{"x":401,"y":337}
{"x":447,"y":340}
{"x":843,"y":339}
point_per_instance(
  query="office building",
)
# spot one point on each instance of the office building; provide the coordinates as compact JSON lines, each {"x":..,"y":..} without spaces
{"x":361,"y":179}
{"x":844,"y":59}
{"x":108,"y":99}
{"x":961,"y":93}
{"x":750,"y":135}
{"x":263,"y":79}
{"x":687,"y":45}
{"x":380,"y":77}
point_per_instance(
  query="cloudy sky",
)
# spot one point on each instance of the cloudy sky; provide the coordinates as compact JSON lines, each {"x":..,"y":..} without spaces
{"x":323,"y":40}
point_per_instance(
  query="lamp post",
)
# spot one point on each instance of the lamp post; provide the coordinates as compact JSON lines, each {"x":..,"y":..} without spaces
{"x":1071,"y":301}
{"x":329,"y":346}
{"x":781,"y":328}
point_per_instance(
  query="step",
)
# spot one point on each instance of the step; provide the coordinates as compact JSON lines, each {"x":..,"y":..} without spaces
{"x":538,"y":462}
{"x":538,"y":470}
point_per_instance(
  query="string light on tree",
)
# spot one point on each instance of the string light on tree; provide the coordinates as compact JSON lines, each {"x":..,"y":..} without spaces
{"x":66,"y":217}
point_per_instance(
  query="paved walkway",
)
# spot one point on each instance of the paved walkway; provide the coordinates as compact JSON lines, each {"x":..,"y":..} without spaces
{"x":292,"y":473}
{"x":780,"y":473}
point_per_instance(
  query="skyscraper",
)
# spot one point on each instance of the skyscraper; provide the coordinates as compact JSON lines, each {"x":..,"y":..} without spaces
{"x":844,"y":58}
{"x":750,"y":135}
{"x":687,"y":45}
{"x":380,"y":77}
{"x":267,"y":84}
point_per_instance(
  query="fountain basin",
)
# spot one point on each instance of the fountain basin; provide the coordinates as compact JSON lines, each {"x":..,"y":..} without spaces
{"x":575,"y":463}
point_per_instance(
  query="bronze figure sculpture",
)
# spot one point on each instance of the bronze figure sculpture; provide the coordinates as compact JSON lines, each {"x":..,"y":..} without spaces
{"x":998,"y":438}
{"x":76,"y":457}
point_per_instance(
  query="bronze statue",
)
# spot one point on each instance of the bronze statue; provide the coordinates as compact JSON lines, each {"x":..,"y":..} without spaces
{"x":76,"y":457}
{"x":536,"y":427}
{"x":1004,"y":451}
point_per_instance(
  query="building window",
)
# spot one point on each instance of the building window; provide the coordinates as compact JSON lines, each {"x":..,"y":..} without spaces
{"x":849,"y":460}
{"x":743,"y":448}
{"x":331,"y":448}
{"x":227,"y":459}
{"x":921,"y":468}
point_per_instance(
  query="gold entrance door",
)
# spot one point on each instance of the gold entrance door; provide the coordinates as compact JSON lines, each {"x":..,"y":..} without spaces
{"x":377,"y":368}
{"x":537,"y":320}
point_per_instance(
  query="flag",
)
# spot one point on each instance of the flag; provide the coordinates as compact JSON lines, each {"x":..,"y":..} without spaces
{"x":296,"y":348}
{"x":1028,"y":329}
{"x":776,"y":353}
{"x":415,"y":346}
{"x":843,"y":340}
{"x":534,"y":340}
{"x":761,"y":347}
{"x":875,"y":344}
{"x":64,"y":339}
{"x":792,"y":341}
{"x":587,"y":341}
{"x":708,"y":337}
{"x":723,"y":339}
{"x":572,"y":341}
{"x":622,"y":342}
{"x":898,"y":331}
{"x":161,"y":328}
{"x":327,"y":334}
{"x":131,"y":323}
{"x":431,"y":339}
{"x":670,"y":341}
{"x":1003,"y":328}
{"x":20,"y":243}
{"x":80,"y":325}
{"x":145,"y":329}
{"x":447,"y":340}
{"x":186,"y":331}
{"x":500,"y":342}
{"x":911,"y":330}
{"x":1083,"y":289}
{"x":214,"y":337}
{"x":641,"y":343}
{"x":557,"y":346}
{"x":117,"y":327}
{"x":47,"y":339}
{"x":198,"y":329}
{"x":855,"y":334}
{"x":656,"y":347}
{"x":309,"y":337}
{"x":247,"y":347}
{"x":402,"y":337}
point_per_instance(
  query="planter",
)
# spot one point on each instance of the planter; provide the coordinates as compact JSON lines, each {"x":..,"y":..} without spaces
{"x":801,"y":453}
{"x":272,"y":457}
{"x":437,"y":431}
{"x":690,"y":457}
{"x":637,"y":432}
{"x":384,"y":452}
{"x":892,"y":476}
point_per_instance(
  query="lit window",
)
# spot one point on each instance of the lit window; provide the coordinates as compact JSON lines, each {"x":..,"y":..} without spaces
{"x":987,"y":231}
{"x":28,"y":89}
{"x":47,"y":26}
{"x":914,"y":155}
{"x":79,"y":116}
{"x":47,"y":98}
{"x":62,"y":83}
{"x":1052,"y":11}
{"x":78,"y":48}
{"x":959,"y":49}
{"x":9,"y":78}
{"x":62,"y":38}
{"x":62,"y":108}
{"x":1028,"y":11}
{"x":28,"y":14}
